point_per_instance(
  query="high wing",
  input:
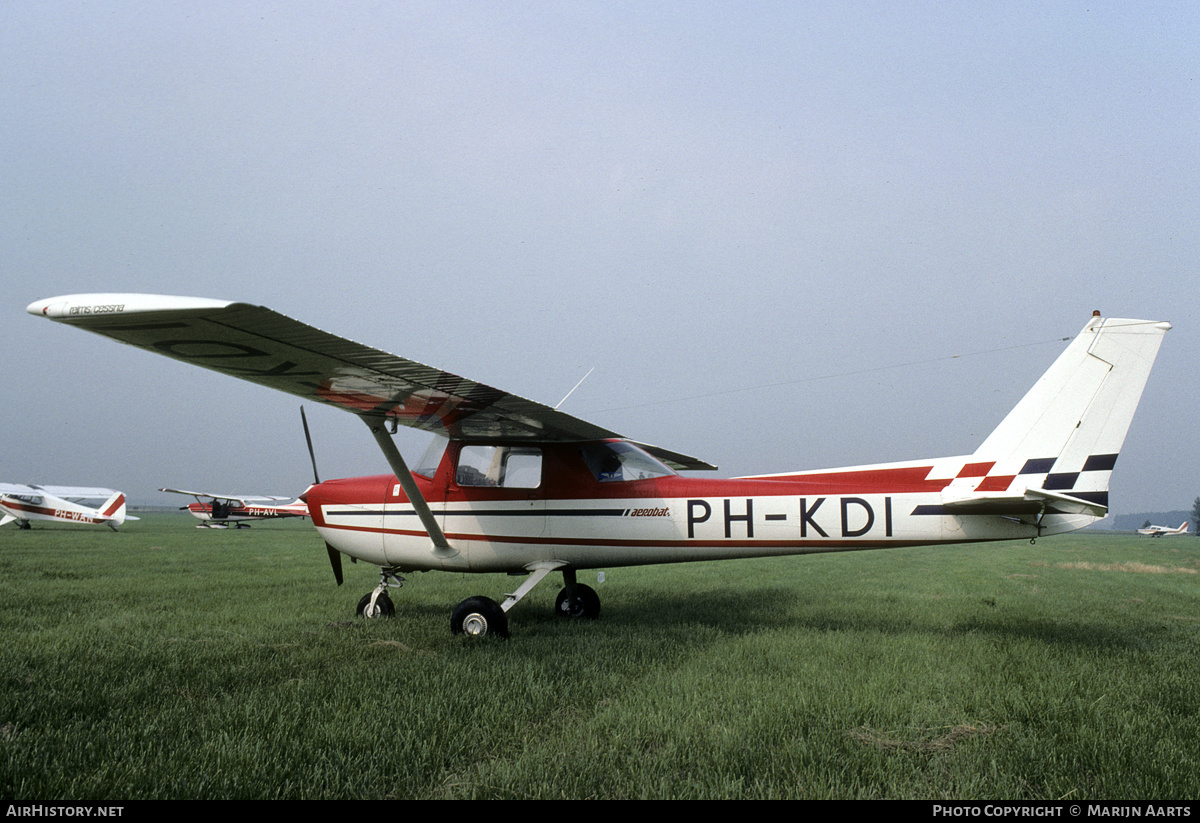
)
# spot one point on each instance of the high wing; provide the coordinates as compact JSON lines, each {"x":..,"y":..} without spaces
{"x":240,"y":499}
{"x":260,"y":345}
{"x":73,"y":493}
{"x":20,"y":489}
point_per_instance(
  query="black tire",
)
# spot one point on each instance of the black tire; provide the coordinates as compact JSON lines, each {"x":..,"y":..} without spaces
{"x":577,"y":600}
{"x":383,"y":606}
{"x":479,"y":617}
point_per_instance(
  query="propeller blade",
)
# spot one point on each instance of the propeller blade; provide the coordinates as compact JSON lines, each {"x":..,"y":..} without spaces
{"x":311,"y":454}
{"x":335,"y":560}
{"x":335,"y":557}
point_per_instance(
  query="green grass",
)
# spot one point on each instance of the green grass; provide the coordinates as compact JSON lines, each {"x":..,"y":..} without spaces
{"x":170,"y":662}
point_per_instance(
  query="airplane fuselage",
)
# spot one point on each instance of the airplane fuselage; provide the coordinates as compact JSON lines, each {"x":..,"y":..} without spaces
{"x":1164,"y":531}
{"x":572,"y":517}
{"x":232,"y":514}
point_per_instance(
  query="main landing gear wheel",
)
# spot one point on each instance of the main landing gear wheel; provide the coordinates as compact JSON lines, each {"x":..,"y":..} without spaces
{"x":577,"y":600}
{"x":383,"y":606}
{"x":478,"y":617}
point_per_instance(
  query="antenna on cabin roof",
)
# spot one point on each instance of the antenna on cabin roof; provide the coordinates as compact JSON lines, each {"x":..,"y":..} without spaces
{"x":577,"y":385}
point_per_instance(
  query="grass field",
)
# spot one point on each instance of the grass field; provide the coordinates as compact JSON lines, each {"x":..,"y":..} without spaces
{"x":169,"y":662}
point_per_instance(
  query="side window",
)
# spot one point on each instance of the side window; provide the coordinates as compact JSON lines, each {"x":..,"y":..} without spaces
{"x":506,"y":467}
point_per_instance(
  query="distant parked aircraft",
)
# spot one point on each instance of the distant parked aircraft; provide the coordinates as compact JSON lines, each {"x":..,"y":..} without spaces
{"x":61,"y":504}
{"x":1159,"y":531}
{"x":221,"y":510}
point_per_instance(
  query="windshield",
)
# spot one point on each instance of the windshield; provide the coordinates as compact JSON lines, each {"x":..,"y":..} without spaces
{"x":620,"y":461}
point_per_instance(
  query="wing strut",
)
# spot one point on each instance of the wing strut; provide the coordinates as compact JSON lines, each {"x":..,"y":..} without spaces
{"x":379,"y":429}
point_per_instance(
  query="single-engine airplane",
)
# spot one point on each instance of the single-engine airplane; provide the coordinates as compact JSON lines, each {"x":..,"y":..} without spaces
{"x":1160,"y":531}
{"x":223,"y":510}
{"x":515,"y":486}
{"x":61,"y":504}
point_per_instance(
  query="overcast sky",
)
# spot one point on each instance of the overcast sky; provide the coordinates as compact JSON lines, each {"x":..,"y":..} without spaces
{"x":786,"y":235}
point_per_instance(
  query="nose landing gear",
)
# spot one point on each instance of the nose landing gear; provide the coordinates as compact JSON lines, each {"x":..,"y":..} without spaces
{"x":377,"y":603}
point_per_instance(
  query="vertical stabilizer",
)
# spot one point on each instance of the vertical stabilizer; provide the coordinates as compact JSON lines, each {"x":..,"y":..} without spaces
{"x":1066,"y":433}
{"x":114,"y":510}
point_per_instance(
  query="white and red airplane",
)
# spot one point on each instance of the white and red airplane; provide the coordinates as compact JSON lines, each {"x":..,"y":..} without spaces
{"x":61,"y":504}
{"x":1159,"y":531}
{"x":515,"y":486}
{"x":222,"y":510}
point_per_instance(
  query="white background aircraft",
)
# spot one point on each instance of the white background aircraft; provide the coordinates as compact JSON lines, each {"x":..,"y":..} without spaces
{"x":514,"y":486}
{"x":223,"y":510}
{"x":61,"y":504}
{"x":1159,"y":531}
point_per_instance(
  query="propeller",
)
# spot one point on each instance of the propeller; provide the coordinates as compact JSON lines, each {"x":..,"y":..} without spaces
{"x":311,"y":454}
{"x":335,"y":557}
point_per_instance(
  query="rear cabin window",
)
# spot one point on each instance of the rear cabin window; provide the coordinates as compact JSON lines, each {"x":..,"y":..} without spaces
{"x":615,"y":462}
{"x":505,"y":467}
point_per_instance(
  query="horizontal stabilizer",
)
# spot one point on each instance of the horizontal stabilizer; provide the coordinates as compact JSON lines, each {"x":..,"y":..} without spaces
{"x":1031,"y":501}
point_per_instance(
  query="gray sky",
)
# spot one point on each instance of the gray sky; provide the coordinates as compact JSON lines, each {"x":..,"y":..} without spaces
{"x":776,"y":230}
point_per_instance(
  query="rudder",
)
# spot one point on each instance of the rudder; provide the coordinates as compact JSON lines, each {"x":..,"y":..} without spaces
{"x":114,"y":510}
{"x":1066,"y":433}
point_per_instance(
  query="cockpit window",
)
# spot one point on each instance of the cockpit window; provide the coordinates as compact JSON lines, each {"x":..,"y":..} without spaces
{"x":614,"y":462}
{"x":427,"y":466}
{"x":507,"y":467}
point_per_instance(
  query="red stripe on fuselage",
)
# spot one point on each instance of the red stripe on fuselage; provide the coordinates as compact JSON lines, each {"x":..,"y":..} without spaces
{"x":839,"y":545}
{"x":58,"y":514}
{"x":901,"y":480}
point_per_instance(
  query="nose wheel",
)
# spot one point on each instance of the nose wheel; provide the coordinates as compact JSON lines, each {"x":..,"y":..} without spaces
{"x":382,"y":607}
{"x":377,"y":603}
